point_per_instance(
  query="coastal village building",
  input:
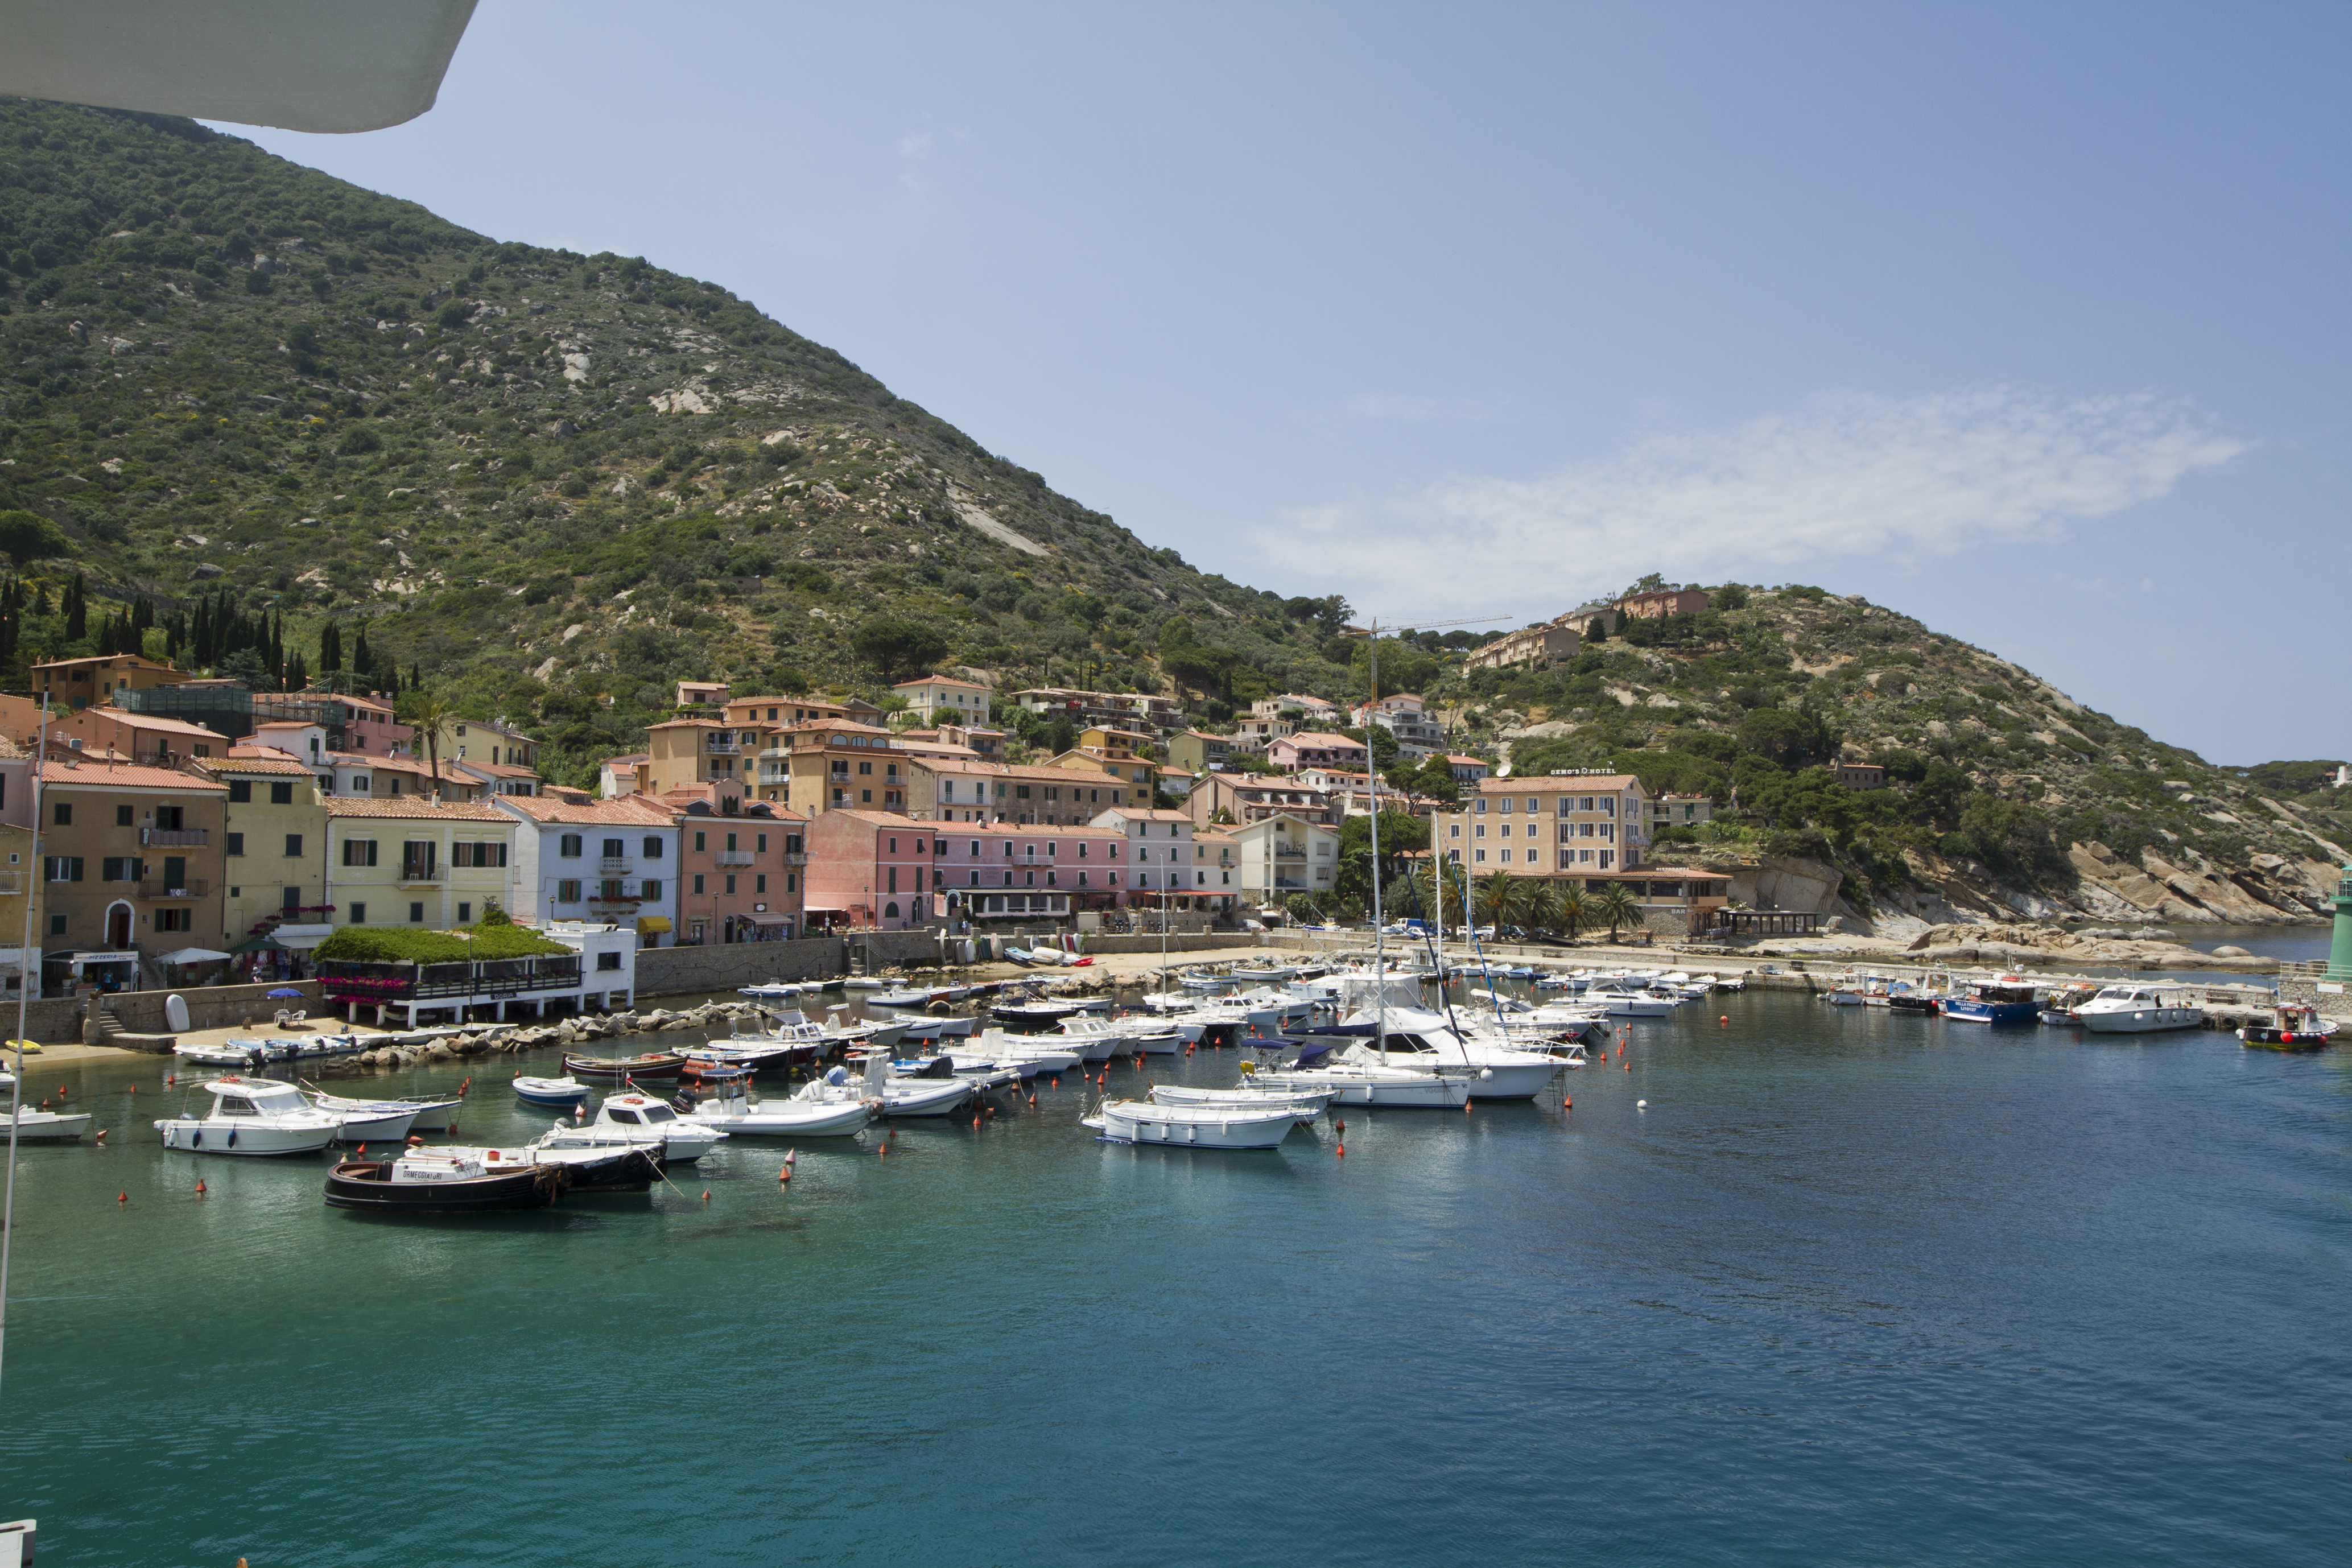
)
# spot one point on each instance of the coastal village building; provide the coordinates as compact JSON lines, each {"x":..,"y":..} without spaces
{"x":1314,"y":748}
{"x":1115,"y":753}
{"x":701,"y":695}
{"x":739,"y":875}
{"x":146,"y":739}
{"x":18,"y":884}
{"x":617,"y":776}
{"x":1012,"y":871}
{"x":410,"y":862}
{"x":942,"y":699}
{"x":71,"y":683}
{"x":606,"y":861}
{"x":273,"y":845}
{"x":1407,"y":717}
{"x":1253,"y":735}
{"x":1281,"y":855}
{"x":1582,"y":831}
{"x":683,"y":751}
{"x":1539,"y":647}
{"x":1861,"y":775}
{"x":1662,"y":603}
{"x":951,"y":791}
{"x":1468,"y":770}
{"x":131,"y":866}
{"x":1240,"y":798}
{"x":784,"y":712}
{"x":1198,"y":753}
{"x":1314,"y":710}
{"x":1159,"y":851}
{"x":1680,"y":811}
{"x":476,"y":740}
{"x":868,"y":870}
{"x":1143,"y":710}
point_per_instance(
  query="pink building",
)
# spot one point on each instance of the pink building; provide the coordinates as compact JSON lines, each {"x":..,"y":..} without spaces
{"x":739,"y":871}
{"x":996,"y":870}
{"x":369,"y":726}
{"x":1315,"y":749}
{"x":867,"y":869}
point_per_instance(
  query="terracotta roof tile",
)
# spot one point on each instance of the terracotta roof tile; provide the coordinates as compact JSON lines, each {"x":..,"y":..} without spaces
{"x":412,"y":806}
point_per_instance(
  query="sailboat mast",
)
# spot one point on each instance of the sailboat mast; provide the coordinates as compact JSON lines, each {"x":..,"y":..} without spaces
{"x":1379,"y":952}
{"x":25,"y":980}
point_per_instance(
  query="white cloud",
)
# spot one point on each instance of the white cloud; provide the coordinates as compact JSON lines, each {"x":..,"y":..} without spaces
{"x":1845,"y":475}
{"x":915,"y":145}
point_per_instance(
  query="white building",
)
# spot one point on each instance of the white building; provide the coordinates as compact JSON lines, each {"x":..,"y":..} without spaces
{"x":1159,"y":852}
{"x":941,"y":700}
{"x":1282,"y":855}
{"x":1405,"y":716}
{"x":611,"y":861}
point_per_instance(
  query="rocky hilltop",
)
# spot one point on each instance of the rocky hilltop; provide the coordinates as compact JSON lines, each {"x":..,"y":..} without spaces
{"x":2004,"y":798}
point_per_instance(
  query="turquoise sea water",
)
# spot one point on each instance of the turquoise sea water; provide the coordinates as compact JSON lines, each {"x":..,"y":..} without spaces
{"x":1855,"y":1288}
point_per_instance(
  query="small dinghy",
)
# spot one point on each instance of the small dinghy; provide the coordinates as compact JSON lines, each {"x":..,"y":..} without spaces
{"x":621,"y":1069}
{"x":933,"y":1088}
{"x":562,"y":1093}
{"x":899,"y":999}
{"x":443,"y":1181}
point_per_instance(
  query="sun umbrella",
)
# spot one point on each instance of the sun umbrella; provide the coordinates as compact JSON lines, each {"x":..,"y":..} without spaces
{"x":285,"y":991}
{"x":193,"y":955}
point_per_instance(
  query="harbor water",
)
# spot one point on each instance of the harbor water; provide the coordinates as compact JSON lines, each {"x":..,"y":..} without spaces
{"x":1854,"y":1288}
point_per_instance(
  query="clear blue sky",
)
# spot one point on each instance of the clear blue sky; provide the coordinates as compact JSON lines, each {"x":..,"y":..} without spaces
{"x":2026,"y":320}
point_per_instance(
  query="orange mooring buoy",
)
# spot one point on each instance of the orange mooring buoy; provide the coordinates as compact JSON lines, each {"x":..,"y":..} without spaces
{"x":706,"y":1194}
{"x":200,"y":1187}
{"x":1725,"y":1020}
{"x":1568,"y":1102}
{"x":1465,"y":1107}
{"x":784,"y":1173}
{"x":123,"y":1197}
{"x":1342,"y":1150}
{"x":1629,"y":1066}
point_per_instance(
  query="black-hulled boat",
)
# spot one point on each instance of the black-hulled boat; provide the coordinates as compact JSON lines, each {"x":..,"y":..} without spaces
{"x":621,"y":1069}
{"x":443,"y":1182}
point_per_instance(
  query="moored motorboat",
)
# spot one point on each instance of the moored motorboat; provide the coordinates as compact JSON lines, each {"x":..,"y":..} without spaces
{"x":365,"y":1120}
{"x":638,"y":1119}
{"x":2132,"y":1009}
{"x":1354,"y":1083}
{"x":733,"y":1107}
{"x":2294,"y":1026}
{"x":434,"y":1113}
{"x":36,"y":1124}
{"x":1308,"y":1102}
{"x":252,"y":1117}
{"x":443,"y":1181}
{"x":2008,"y":1000}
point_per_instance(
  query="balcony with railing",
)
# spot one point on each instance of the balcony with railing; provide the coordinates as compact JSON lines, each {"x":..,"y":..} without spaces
{"x":733,"y":858}
{"x":613,"y":865}
{"x":174,"y":838}
{"x":422,"y":874}
{"x":722,"y":747}
{"x":187,"y":887}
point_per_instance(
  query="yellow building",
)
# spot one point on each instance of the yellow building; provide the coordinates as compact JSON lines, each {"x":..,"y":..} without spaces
{"x":273,"y":845}
{"x":403,"y":861}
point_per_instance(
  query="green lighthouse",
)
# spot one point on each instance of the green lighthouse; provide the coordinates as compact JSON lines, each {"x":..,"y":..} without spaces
{"x":2340,"y":952}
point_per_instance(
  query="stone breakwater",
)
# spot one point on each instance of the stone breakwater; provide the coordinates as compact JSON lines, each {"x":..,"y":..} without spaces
{"x":513,"y":1039}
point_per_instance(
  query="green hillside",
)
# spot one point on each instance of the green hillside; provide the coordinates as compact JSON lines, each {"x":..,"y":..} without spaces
{"x":276,"y":426}
{"x":531,"y":480}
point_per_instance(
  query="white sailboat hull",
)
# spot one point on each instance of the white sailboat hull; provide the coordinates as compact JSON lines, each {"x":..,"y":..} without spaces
{"x":192,"y":1135}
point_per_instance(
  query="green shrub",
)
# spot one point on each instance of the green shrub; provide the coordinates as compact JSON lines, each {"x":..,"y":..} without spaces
{"x":481,"y":943}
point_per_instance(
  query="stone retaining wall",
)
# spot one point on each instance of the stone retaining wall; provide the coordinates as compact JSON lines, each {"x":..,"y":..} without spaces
{"x":689,"y":971}
{"x":1178,"y":942}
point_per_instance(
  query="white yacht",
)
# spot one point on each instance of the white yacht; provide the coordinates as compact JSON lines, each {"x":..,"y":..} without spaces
{"x":2137,"y":1010}
{"x":638,"y":1121}
{"x":37,"y":1126}
{"x":1358,"y":1083}
{"x":1424,"y":1041}
{"x":367,"y":1120}
{"x":252,"y":1117}
{"x":1628,"y":998}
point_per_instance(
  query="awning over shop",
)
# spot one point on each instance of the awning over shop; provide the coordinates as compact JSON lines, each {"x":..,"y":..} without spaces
{"x":765,"y":919}
{"x":265,"y":942}
{"x":653,"y":925}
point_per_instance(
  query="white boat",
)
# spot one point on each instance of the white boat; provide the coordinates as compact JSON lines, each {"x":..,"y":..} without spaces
{"x":366,"y":1121}
{"x":735,"y":1107}
{"x":1052,"y":1053}
{"x":930,"y":1031}
{"x":2137,"y":1010}
{"x":935,"y":1089}
{"x":773,"y":991}
{"x":861,"y":982}
{"x":1099,"y":1039}
{"x":1193,"y":1126}
{"x":1348,"y":1083}
{"x":640,"y":1120}
{"x":252,"y":1117}
{"x":1309,"y":1103}
{"x":980,"y":1071}
{"x":906,"y":998}
{"x":563,"y":1093}
{"x":1628,"y":999}
{"x":34,"y":1125}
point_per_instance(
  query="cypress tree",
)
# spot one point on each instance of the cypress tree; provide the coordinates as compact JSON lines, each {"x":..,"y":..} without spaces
{"x":77,"y":610}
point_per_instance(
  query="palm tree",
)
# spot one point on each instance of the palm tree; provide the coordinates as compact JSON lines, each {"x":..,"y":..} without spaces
{"x":1569,"y":910}
{"x":1543,"y":906}
{"x":429,"y":714}
{"x":1613,"y":906}
{"x":1502,"y":898}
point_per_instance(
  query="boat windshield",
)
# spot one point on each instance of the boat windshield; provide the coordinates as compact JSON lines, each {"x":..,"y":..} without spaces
{"x":660,"y":1113}
{"x":630,"y":1117}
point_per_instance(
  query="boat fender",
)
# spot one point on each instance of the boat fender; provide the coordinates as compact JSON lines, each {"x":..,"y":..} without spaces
{"x":232,"y":1137}
{"x":198,"y":1140}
